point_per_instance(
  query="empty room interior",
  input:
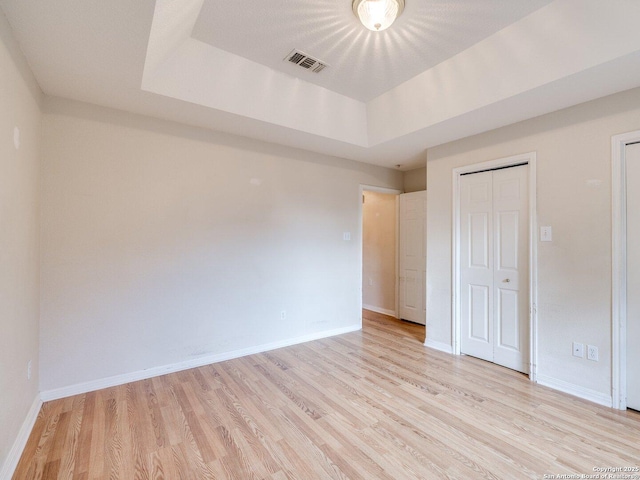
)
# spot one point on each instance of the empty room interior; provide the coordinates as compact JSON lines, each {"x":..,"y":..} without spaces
{"x":339,"y":239}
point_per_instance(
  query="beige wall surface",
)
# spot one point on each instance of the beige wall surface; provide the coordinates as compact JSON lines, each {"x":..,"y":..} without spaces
{"x":415,"y":180}
{"x":379,"y":252}
{"x":573,"y":149}
{"x":19,"y":276}
{"x":163,"y":243}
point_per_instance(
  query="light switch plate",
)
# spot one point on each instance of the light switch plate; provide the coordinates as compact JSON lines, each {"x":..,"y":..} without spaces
{"x":578,"y":349}
{"x":546,"y":234}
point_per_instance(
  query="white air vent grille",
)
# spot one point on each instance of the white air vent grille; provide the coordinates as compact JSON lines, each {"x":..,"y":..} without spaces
{"x":305,"y":61}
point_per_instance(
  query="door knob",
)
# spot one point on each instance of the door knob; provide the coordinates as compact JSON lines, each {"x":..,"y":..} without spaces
{"x":506,"y":280}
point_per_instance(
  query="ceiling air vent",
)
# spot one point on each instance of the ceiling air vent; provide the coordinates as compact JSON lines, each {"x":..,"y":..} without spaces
{"x":305,"y":61}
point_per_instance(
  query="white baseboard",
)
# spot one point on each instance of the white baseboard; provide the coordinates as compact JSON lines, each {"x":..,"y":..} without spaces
{"x":11,"y":462}
{"x":575,"y":390}
{"x":93,"y":385}
{"x":442,"y":347}
{"x":383,"y":311}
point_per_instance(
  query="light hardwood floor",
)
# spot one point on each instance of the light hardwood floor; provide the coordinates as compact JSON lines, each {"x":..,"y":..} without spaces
{"x":374,"y":404}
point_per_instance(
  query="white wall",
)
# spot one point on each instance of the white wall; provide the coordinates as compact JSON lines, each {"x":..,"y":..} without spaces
{"x":19,"y":271}
{"x":164,"y":243}
{"x":574,"y":197}
{"x":379,"y":252}
{"x":415,"y":180}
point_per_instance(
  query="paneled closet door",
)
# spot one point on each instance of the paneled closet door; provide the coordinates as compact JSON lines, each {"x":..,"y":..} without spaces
{"x":632,"y":155}
{"x":494,"y":266}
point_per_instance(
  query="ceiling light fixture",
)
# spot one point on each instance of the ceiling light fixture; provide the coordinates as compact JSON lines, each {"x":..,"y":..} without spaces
{"x":377,"y":15}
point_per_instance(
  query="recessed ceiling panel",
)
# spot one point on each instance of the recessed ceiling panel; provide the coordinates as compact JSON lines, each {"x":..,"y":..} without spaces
{"x":445,"y":70}
{"x":364,"y":64}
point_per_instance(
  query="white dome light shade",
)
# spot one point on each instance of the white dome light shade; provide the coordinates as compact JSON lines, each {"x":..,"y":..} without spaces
{"x":377,"y":15}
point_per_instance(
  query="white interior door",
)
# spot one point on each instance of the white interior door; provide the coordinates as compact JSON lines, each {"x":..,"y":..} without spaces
{"x":632,"y":155}
{"x":511,"y":271}
{"x":413,"y":261}
{"x":494,"y":266}
{"x":476,"y":265}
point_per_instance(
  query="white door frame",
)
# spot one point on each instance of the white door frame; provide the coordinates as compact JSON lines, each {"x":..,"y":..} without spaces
{"x":619,"y":267}
{"x":392,"y":191}
{"x":530,"y":158}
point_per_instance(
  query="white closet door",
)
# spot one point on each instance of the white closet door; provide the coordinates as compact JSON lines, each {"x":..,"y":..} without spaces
{"x":476,"y":265}
{"x":413,"y":261}
{"x":633,"y":275}
{"x":511,"y":267}
{"x":494,"y":267}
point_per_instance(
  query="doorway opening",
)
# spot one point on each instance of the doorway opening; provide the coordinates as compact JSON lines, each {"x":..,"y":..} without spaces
{"x":494,"y":262}
{"x":380,"y":238}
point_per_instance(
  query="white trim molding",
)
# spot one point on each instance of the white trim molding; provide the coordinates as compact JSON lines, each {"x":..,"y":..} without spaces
{"x":575,"y":390}
{"x":93,"y":385}
{"x":530,"y":159}
{"x":17,"y":448}
{"x":619,"y":267}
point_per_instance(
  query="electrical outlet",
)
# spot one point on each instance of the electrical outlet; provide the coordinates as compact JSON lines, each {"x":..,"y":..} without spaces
{"x":578,"y":349}
{"x":592,"y":353}
{"x":29,"y":370}
{"x":370,"y":281}
{"x":283,"y":315}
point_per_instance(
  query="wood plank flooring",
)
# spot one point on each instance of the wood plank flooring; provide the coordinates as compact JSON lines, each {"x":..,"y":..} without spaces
{"x":374,"y":404}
